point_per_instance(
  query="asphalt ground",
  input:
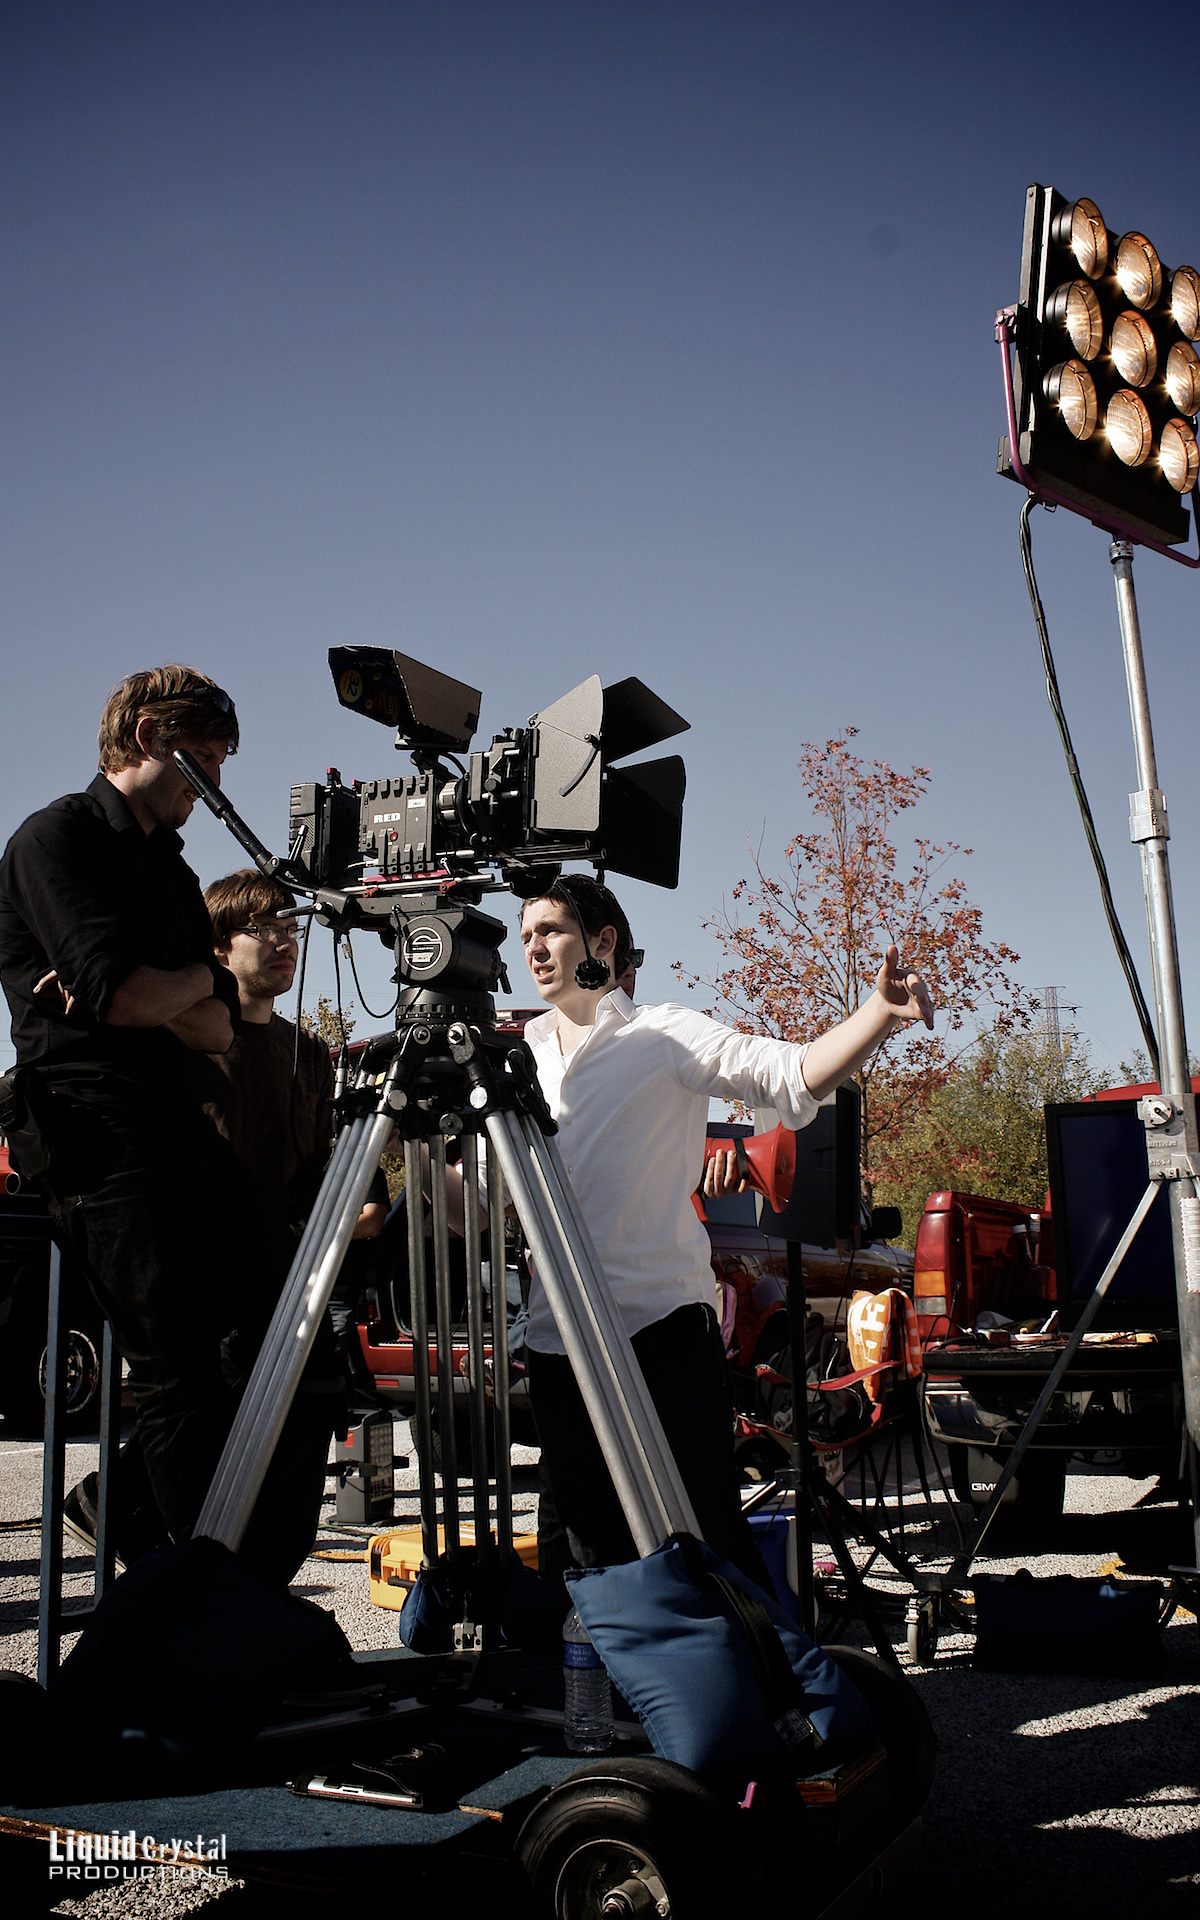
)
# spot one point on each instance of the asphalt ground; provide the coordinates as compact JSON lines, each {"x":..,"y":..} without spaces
{"x":1054,"y":1791}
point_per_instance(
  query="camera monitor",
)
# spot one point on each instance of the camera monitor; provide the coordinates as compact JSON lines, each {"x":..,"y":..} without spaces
{"x":1098,"y":1173}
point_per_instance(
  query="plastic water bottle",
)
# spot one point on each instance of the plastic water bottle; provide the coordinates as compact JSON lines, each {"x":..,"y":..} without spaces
{"x":587,"y":1695}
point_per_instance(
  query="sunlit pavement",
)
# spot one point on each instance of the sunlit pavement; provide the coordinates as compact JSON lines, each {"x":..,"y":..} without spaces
{"x":1052,"y":1790}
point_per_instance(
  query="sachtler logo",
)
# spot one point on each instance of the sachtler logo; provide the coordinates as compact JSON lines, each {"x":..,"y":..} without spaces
{"x":424,"y":947}
{"x":98,"y":1858}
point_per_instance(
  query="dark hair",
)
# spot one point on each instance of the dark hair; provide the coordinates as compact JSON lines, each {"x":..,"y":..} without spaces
{"x":242,"y":897}
{"x":594,"y":906}
{"x":186,"y":706}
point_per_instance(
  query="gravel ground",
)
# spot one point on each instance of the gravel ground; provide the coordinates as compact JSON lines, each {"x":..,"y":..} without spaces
{"x":1053,"y":1790}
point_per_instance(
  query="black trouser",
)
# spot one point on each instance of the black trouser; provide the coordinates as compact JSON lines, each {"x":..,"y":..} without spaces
{"x":683,"y":1362}
{"x":163,"y":1219}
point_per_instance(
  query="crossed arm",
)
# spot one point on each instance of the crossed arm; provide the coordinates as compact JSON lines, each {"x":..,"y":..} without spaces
{"x":179,"y":998}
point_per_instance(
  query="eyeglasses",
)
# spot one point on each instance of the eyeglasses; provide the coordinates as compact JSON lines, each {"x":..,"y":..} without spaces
{"x":275,"y":933}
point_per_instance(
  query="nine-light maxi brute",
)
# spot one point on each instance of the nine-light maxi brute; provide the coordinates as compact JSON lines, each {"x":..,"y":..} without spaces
{"x":1101,"y":409}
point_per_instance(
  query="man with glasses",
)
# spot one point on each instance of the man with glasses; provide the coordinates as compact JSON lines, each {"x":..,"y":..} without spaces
{"x":106,"y":961}
{"x":271,"y":1092}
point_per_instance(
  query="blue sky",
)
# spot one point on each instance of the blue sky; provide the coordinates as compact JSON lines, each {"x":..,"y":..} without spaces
{"x":617,"y":336}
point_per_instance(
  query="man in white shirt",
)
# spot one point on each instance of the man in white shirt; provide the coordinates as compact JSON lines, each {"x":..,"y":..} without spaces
{"x":629,"y":1087}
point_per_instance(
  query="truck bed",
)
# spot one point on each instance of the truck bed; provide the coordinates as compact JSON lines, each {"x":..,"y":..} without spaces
{"x":1117,"y":1392}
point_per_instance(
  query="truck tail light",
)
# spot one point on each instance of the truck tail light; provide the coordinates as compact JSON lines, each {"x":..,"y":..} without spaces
{"x":931,"y":1293}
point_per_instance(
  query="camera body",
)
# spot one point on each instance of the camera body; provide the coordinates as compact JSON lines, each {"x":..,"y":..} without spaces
{"x":535,"y":796}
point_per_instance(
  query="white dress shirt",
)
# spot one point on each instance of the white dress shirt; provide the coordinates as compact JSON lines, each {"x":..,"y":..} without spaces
{"x":632,"y":1106}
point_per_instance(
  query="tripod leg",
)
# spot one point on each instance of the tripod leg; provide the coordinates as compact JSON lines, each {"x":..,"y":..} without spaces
{"x":271,"y":1358}
{"x":602,"y":1375}
{"x":276,"y":1374}
{"x":422,"y":1421}
{"x":864,"y":1605}
{"x":502,"y":1421}
{"x":445,"y":1340}
{"x":476,"y":1344}
{"x":586,"y":1265}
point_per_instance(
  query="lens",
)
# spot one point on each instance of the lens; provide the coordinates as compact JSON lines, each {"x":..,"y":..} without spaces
{"x":1180,"y":456}
{"x":1127,"y":425}
{"x":1139,"y":270}
{"x":1183,"y":377}
{"x":1134,"y":353}
{"x":1185,"y":302}
{"x":1075,"y":307}
{"x":1082,"y":229}
{"x":1072,"y":390}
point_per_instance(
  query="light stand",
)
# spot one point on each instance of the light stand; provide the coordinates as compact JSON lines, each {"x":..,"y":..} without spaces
{"x":1170,"y":1117}
{"x":1171,"y":1137}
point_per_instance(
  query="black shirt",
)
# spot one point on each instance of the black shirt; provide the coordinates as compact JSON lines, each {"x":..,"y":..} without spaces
{"x":85,"y":891}
{"x":271,"y":1095}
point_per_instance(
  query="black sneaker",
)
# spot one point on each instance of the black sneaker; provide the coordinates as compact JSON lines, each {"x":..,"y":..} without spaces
{"x":80,"y":1517}
{"x":137,"y":1533}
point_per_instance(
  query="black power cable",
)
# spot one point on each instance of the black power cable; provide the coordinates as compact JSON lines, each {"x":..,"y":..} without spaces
{"x":362,"y":998}
{"x":1053,"y":694}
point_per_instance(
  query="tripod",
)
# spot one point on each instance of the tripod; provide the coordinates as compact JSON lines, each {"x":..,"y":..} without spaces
{"x":821,"y":1507}
{"x":447,"y":1073}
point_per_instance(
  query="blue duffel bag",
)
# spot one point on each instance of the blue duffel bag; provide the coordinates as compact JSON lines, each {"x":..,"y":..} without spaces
{"x":721,"y":1680}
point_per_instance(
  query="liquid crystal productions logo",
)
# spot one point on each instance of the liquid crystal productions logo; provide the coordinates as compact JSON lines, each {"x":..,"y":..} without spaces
{"x":105,"y":1857}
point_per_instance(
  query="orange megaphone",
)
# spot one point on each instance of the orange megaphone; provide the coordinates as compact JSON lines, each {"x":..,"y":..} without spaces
{"x":766,"y":1161}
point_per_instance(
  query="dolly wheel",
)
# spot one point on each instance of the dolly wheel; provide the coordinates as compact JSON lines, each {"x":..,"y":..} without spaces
{"x":904,"y":1726}
{"x":922,"y":1626}
{"x":635,"y":1838}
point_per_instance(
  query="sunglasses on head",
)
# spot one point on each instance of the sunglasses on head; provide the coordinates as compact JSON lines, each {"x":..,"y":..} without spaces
{"x":214,"y":697}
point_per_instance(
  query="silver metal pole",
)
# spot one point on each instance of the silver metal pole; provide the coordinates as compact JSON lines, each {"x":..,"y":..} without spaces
{"x":263,"y":1385}
{"x":563,"y":1203}
{"x":270,"y":1356}
{"x":422,"y":1420}
{"x":476,"y":1377}
{"x":1148,"y":830}
{"x":601,"y":1367}
{"x":502,"y":1421}
{"x":445,"y":1339}
{"x":242,"y":1467}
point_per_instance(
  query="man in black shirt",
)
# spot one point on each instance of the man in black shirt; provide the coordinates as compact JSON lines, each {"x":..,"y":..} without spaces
{"x":107,"y":965}
{"x":271,"y":1093}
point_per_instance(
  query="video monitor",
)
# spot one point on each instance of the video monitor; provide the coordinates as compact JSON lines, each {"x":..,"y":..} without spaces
{"x":1098,"y":1173}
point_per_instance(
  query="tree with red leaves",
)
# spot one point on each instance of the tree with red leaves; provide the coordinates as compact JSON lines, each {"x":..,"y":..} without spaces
{"x":804,"y":945}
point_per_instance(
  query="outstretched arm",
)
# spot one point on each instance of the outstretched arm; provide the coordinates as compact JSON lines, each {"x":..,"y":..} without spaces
{"x":900,"y":998}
